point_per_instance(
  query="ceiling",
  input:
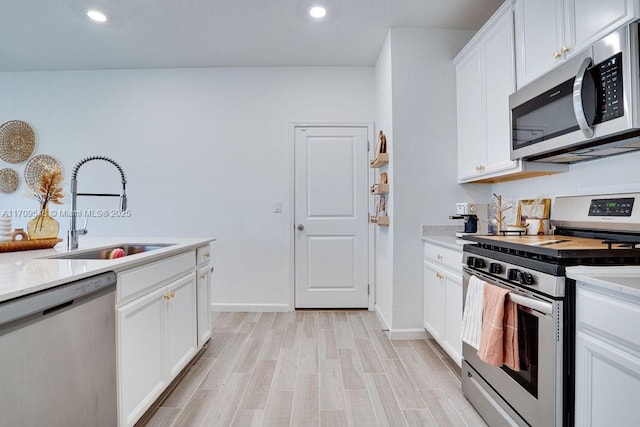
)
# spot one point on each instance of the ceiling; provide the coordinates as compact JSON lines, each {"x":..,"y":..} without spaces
{"x":57,"y":35}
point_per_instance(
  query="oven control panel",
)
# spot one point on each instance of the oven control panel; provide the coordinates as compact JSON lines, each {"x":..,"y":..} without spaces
{"x":515,"y":275}
{"x":611,"y":207}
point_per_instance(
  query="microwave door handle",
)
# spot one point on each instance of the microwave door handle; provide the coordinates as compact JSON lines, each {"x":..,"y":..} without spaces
{"x":586,"y":129}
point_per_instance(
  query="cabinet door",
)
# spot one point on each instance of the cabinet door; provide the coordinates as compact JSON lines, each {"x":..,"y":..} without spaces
{"x":589,"y":20}
{"x":181,"y":324}
{"x":499,"y":77}
{"x":607,"y":383}
{"x":471,"y":126}
{"x":539,"y":34}
{"x":433,"y":301}
{"x":453,"y":317}
{"x":140,"y":328}
{"x":204,"y":305}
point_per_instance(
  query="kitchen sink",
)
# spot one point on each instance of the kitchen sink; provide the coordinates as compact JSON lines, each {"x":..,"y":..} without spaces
{"x":105,"y":253}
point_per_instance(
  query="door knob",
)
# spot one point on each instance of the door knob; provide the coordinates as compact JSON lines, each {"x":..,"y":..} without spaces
{"x":300,"y":227}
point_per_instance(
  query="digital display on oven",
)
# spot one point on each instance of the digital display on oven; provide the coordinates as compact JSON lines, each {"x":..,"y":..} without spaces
{"x":611,"y":207}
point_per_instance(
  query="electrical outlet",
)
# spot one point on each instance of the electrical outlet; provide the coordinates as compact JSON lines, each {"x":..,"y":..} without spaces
{"x":277,"y":207}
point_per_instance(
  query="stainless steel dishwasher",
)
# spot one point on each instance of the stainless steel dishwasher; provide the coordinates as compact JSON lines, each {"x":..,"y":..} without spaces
{"x":58,"y":356}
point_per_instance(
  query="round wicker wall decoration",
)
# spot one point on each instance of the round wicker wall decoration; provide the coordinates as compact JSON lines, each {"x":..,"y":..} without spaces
{"x":9,"y":180}
{"x":36,"y":167}
{"x":17,"y":141}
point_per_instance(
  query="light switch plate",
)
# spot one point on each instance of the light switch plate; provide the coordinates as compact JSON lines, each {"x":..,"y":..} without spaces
{"x":277,"y":207}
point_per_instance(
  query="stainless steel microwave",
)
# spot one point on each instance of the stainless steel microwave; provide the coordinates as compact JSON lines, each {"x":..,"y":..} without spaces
{"x":584,"y":109}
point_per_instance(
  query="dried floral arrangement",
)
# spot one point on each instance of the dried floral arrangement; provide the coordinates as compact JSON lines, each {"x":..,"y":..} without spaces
{"x":50,"y":190}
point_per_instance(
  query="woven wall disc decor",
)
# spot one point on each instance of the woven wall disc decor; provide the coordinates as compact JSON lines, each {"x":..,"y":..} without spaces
{"x":17,"y":141}
{"x":36,"y":167}
{"x":9,"y":180}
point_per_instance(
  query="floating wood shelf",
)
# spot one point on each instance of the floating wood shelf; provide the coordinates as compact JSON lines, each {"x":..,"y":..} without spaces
{"x":380,"y":220}
{"x":379,"y":189}
{"x":380,"y":160}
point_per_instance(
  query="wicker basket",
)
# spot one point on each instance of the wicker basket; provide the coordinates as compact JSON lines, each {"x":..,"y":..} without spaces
{"x":27,"y":245}
{"x":36,"y":167}
{"x":17,"y":141}
{"x":9,"y":181}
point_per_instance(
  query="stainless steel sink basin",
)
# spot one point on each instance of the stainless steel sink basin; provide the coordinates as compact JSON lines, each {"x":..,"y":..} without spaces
{"x":105,"y":253}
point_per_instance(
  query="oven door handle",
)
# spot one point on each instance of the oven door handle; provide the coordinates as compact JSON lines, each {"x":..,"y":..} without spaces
{"x":578,"y":108}
{"x":541,"y":306}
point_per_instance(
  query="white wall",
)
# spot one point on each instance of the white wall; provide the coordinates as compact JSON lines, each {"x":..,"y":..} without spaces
{"x":425,"y":159}
{"x":420,"y":113}
{"x":206,"y":152}
{"x":617,"y":174}
{"x":384,"y":235}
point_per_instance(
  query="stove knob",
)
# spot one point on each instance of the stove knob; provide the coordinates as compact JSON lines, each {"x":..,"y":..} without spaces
{"x":479,"y":263}
{"x":527,"y":278}
{"x":470,"y":261}
{"x":495,"y":268}
{"x":513,"y":274}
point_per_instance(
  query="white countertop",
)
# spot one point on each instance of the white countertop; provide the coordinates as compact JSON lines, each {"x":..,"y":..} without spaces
{"x":26,"y":272}
{"x":450,"y":242}
{"x":624,"y":279}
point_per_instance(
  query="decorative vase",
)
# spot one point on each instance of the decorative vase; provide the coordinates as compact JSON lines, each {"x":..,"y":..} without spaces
{"x":43,"y":226}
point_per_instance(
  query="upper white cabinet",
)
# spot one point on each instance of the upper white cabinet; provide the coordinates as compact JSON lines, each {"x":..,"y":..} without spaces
{"x":485,"y":77}
{"x":550,"y":31}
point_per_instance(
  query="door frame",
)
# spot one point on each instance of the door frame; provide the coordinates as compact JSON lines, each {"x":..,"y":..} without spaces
{"x":291,"y":214}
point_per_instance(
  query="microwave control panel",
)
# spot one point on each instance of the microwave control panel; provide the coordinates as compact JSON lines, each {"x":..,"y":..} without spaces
{"x":608,"y":79}
{"x":611,"y":207}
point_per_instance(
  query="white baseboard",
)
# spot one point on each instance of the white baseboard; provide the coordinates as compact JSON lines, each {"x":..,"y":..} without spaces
{"x":383,"y":321}
{"x":250,"y":307}
{"x":407,"y":334}
{"x":400,"y":334}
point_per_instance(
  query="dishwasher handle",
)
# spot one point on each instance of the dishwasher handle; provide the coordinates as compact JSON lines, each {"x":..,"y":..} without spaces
{"x":52,"y":300}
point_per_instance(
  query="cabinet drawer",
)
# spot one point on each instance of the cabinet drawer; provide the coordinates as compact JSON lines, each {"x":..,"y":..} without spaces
{"x":135,"y":281}
{"x":614,"y":317}
{"x":443,"y":256}
{"x":203,"y":255}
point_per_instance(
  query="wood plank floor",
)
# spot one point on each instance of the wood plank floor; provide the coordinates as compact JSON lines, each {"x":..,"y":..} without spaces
{"x":315,"y":368}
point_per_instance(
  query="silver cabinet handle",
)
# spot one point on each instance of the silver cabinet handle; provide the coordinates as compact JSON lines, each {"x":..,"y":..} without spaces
{"x":300,"y":227}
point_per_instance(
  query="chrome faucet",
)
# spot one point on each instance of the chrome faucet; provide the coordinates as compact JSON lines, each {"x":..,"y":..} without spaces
{"x":72,"y":235}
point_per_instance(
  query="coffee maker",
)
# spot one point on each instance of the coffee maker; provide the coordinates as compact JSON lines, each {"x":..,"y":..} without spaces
{"x":475,"y":216}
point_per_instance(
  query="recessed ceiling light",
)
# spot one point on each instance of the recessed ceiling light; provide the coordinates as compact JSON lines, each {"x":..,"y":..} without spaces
{"x":318,"y":12}
{"x":97,"y":16}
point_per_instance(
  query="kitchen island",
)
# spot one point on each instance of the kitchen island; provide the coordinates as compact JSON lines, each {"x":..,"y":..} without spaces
{"x":161,"y":311}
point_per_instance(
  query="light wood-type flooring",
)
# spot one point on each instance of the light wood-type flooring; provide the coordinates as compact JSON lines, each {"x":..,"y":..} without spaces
{"x":315,"y":368}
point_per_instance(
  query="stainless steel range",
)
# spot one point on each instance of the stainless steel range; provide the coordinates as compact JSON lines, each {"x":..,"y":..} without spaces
{"x":589,"y":230}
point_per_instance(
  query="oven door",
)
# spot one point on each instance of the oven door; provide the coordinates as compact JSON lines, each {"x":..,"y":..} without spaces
{"x":535,"y":392}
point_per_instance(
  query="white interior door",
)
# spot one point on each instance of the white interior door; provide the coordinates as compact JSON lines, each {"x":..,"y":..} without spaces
{"x":331,"y":217}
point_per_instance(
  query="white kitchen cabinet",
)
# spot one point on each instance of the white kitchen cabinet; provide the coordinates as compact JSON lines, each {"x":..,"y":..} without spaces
{"x":156,"y":333}
{"x":550,"y":31}
{"x":140,"y":342}
{"x":607,"y":356}
{"x":485,"y":76}
{"x":443,"y":298}
{"x":181,"y":326}
{"x":204,"y":295}
{"x":433,"y":298}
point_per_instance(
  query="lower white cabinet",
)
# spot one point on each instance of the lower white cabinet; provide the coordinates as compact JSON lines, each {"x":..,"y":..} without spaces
{"x":181,"y":324}
{"x":204,"y":305}
{"x":140,"y":342}
{"x":443,"y":298}
{"x":156,"y":339}
{"x":607,"y":357}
